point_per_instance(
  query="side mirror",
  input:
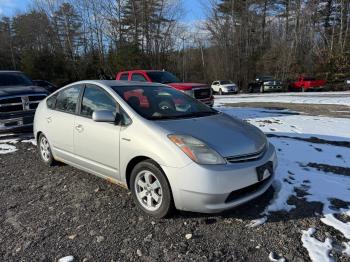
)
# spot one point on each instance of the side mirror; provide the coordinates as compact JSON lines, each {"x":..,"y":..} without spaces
{"x":106,"y":116}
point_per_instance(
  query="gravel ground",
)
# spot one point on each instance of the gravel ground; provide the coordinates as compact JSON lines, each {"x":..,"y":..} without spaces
{"x":48,"y":213}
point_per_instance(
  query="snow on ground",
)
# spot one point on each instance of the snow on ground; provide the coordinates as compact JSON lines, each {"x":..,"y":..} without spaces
{"x":7,"y":146}
{"x":314,"y":165}
{"x":336,"y":98}
{"x":318,"y":251}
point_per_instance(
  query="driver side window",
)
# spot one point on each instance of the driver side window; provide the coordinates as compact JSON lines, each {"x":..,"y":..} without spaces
{"x":95,"y":99}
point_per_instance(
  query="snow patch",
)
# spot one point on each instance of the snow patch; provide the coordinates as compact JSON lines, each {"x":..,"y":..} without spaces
{"x":346,"y":251}
{"x":344,"y":228}
{"x":274,"y":258}
{"x":318,"y":251}
{"x":6,"y":149}
{"x":66,"y":259}
{"x":257,"y":222}
{"x":33,"y":141}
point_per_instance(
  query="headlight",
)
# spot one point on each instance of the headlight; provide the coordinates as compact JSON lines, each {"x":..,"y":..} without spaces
{"x":195,"y":149}
{"x":188,"y":92}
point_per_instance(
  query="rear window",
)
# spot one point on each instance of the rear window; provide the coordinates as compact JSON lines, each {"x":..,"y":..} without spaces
{"x":14,"y":79}
{"x":124,"y":76}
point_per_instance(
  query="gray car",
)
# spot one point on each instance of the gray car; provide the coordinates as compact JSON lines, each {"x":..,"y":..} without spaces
{"x":169,"y":149}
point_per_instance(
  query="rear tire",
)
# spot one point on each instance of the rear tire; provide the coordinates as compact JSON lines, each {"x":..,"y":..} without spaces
{"x":151,"y":190}
{"x":45,"y":151}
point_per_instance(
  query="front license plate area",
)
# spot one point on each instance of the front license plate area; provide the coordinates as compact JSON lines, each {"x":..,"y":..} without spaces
{"x":265,"y":171}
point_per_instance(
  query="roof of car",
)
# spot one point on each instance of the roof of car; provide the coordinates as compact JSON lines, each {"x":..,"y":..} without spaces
{"x":142,"y":70}
{"x":118,"y":83}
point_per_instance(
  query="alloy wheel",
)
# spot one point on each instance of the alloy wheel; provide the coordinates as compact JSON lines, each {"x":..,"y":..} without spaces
{"x":45,"y":149}
{"x":148,"y":190}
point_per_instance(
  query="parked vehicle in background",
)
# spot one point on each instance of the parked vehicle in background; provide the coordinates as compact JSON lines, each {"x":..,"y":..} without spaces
{"x":170,"y":150}
{"x":265,"y":84}
{"x":222,"y":87}
{"x":348,"y":81}
{"x":306,"y":83}
{"x":46,"y":84}
{"x":202,"y":92}
{"x":18,"y":101}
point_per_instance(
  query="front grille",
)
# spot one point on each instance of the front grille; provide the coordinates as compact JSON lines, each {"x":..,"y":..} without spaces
{"x":20,"y":103}
{"x":202,"y":93}
{"x":246,"y":191}
{"x":247,"y":157}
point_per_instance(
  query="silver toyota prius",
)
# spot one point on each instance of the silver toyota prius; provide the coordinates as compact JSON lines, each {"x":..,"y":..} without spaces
{"x":169,"y":149}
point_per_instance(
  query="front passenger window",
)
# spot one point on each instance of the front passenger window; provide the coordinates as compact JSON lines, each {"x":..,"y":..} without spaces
{"x":94,"y":99}
{"x":67,"y":99}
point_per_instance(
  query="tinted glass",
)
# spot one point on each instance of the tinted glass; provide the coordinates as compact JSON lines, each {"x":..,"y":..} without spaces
{"x":157,"y":102}
{"x":162,"y":77}
{"x":138,"y":77}
{"x":51,"y":101}
{"x":14,"y":79}
{"x":123,"y":77}
{"x":67,"y":99}
{"x":95,"y":99}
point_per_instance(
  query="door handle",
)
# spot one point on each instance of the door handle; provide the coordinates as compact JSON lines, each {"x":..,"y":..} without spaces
{"x":79,"y":128}
{"x":49,"y":119}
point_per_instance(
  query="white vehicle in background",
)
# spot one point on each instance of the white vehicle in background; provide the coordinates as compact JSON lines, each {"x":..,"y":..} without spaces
{"x":348,"y":81}
{"x":222,"y":87}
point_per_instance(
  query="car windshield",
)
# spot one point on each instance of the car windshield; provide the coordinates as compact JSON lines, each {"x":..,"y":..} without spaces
{"x":14,"y":79}
{"x":226,"y":82}
{"x":163,"y":77}
{"x":266,"y":78}
{"x":158,"y":102}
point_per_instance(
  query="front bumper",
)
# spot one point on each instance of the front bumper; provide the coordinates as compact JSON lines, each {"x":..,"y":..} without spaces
{"x":273,"y":88}
{"x":209,"y":188}
{"x":22,"y":121}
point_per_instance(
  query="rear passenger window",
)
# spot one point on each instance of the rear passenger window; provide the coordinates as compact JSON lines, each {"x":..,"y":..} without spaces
{"x":51,"y":101}
{"x":138,"y":77}
{"x":67,"y":99}
{"x":124,"y":76}
{"x":94,"y":99}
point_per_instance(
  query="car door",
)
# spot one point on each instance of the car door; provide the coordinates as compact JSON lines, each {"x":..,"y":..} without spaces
{"x":60,"y":121}
{"x":96,"y":144}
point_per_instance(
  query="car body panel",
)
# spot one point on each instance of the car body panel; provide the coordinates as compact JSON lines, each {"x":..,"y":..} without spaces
{"x":195,"y":187}
{"x":18,"y":104}
{"x":307,"y":83}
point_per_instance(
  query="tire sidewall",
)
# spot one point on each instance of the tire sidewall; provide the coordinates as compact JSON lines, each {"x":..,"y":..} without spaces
{"x":167,"y":202}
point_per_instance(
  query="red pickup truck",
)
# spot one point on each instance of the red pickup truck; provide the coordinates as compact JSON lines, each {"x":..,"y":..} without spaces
{"x":202,"y":92}
{"x":305,"y":83}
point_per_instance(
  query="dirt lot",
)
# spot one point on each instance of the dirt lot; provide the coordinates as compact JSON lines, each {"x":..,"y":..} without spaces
{"x":48,"y":213}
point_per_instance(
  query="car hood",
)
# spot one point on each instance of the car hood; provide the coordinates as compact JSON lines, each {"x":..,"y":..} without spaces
{"x":187,"y":86}
{"x":225,"y":134}
{"x":229,"y":85}
{"x":21,"y":90}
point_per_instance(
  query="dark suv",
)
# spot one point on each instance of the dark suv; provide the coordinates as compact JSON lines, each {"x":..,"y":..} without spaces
{"x":265,"y":84}
{"x":18,"y":100}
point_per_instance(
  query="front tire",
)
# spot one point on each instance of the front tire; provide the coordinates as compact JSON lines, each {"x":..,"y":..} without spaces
{"x":45,"y":150}
{"x":151,"y":190}
{"x":220,"y":92}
